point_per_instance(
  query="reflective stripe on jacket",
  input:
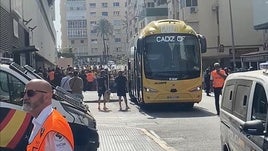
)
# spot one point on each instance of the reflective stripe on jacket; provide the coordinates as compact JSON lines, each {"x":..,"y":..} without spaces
{"x":54,"y":123}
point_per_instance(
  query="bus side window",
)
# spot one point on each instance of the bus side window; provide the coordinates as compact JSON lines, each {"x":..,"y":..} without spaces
{"x":259,"y":107}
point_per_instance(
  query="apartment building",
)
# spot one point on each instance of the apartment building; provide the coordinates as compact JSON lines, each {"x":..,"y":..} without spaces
{"x":79,"y":19}
{"x":260,"y":22}
{"x":142,"y":12}
{"x":27,"y":32}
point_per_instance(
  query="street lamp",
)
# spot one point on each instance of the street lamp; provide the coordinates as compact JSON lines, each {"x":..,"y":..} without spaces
{"x":232,"y":32}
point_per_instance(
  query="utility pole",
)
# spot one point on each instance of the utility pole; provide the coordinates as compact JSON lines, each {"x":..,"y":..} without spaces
{"x":232,"y":32}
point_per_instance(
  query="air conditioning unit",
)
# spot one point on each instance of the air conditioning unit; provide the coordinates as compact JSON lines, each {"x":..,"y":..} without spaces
{"x":193,"y":10}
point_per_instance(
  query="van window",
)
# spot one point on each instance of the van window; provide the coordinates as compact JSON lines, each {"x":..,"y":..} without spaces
{"x":259,"y":107}
{"x":240,"y":107}
{"x":227,"y":97}
{"x":10,"y":88}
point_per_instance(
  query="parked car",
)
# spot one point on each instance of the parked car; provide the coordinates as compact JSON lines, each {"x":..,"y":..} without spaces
{"x":16,"y":124}
{"x":244,"y":115}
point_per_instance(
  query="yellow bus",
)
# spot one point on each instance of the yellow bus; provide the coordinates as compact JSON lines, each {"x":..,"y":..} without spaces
{"x":165,"y":64}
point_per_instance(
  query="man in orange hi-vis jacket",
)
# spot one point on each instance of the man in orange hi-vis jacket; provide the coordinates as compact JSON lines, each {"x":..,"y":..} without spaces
{"x":51,"y":131}
{"x":217,"y":78}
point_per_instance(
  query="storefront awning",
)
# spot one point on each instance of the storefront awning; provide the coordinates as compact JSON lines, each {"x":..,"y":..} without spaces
{"x":255,"y":57}
{"x":25,"y":49}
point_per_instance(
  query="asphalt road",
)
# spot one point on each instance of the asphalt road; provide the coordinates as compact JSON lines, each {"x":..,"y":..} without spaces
{"x":194,"y":130}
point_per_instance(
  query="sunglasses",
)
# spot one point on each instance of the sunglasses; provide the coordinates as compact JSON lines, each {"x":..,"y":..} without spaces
{"x":31,"y":93}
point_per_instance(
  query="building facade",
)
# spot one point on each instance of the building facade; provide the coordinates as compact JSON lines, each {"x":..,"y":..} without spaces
{"x":142,"y":12}
{"x":227,"y":25}
{"x":27,"y":32}
{"x":260,"y":22}
{"x":79,"y":21}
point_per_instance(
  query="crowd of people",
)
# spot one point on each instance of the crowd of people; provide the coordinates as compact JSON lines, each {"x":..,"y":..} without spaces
{"x":90,"y":78}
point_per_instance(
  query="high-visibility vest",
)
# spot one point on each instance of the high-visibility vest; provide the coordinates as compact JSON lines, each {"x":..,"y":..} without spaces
{"x":90,"y":77}
{"x":54,"y":123}
{"x":218,"y":81}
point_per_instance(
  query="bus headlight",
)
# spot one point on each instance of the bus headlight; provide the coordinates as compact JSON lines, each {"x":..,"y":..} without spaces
{"x":198,"y":88}
{"x":150,"y":90}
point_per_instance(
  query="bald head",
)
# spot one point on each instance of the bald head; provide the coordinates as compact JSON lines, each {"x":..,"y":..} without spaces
{"x":38,"y":84}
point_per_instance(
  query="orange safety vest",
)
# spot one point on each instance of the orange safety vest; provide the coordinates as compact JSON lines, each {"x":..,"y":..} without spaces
{"x":90,"y":77}
{"x":55,"y":122}
{"x":218,"y":81}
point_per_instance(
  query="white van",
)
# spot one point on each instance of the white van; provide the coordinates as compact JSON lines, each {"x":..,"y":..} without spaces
{"x":244,"y":115}
{"x":15,"y":124}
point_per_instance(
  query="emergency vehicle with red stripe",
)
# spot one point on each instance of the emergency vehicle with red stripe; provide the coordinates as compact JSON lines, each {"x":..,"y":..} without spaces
{"x":15,"y":124}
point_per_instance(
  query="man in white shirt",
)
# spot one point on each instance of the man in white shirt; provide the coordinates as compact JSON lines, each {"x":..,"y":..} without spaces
{"x":51,"y":131}
{"x":65,"y":82}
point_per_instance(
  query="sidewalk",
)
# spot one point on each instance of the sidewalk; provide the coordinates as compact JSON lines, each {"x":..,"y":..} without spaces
{"x":115,"y":135}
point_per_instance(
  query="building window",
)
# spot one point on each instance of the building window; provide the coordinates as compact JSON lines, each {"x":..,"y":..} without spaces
{"x":117,"y":22}
{"x":72,"y":41}
{"x":117,"y":31}
{"x":150,"y":4}
{"x":117,"y":40}
{"x":92,"y":13}
{"x":116,"y":13}
{"x":116,"y":4}
{"x":104,"y":5}
{"x":93,"y":22}
{"x":92,"y":5}
{"x":81,"y":41}
{"x":77,"y":24}
{"x":94,"y":41}
{"x":77,"y":33}
{"x":93,"y":31}
{"x":190,"y":3}
{"x":104,"y":13}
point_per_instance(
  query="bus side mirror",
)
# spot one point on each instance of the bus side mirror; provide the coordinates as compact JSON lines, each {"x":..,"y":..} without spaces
{"x":139,"y":45}
{"x":203,"y":43}
{"x":129,"y":65}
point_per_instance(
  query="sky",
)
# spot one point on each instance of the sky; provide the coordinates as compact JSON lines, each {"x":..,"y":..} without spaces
{"x":57,"y":23}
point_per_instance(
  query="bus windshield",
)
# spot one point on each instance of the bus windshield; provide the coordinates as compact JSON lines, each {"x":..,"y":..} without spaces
{"x":172,"y":56}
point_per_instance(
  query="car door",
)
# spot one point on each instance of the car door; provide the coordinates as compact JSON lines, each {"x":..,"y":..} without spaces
{"x":259,"y":112}
{"x":15,"y":123}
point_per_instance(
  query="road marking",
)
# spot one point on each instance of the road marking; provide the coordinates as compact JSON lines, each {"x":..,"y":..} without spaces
{"x":157,"y":139}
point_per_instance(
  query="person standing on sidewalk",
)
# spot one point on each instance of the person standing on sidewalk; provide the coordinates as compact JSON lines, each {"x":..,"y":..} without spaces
{"x":90,"y":76}
{"x":76,"y":84}
{"x":101,"y":88}
{"x":207,"y":82}
{"x":121,"y":88}
{"x":218,"y":77}
{"x":51,"y":131}
{"x":65,"y":82}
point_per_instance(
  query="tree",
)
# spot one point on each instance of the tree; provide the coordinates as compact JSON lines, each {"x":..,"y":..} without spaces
{"x":105,"y":29}
{"x":66,"y":52}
